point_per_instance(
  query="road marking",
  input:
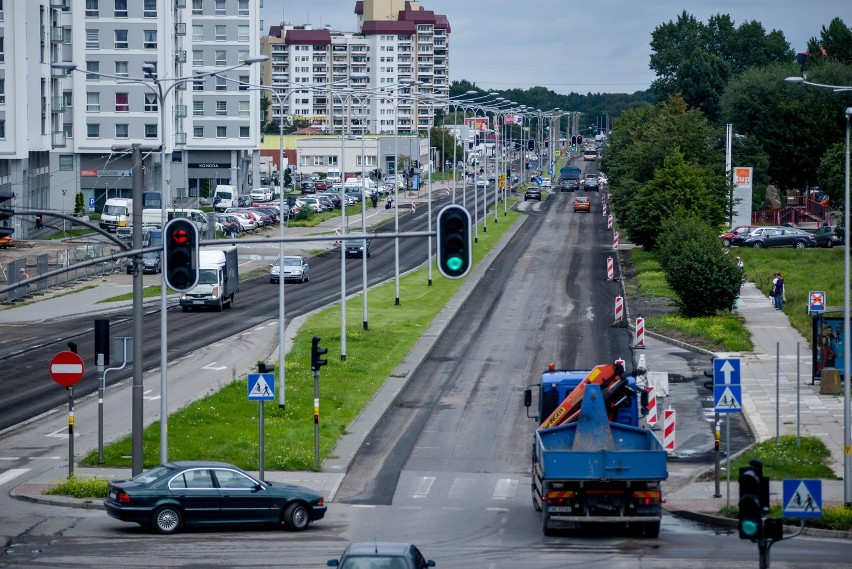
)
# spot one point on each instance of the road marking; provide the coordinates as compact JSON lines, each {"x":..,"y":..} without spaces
{"x":505,"y":489}
{"x":12,"y":474}
{"x":214,"y":367}
{"x":61,"y":433}
{"x":422,"y":485}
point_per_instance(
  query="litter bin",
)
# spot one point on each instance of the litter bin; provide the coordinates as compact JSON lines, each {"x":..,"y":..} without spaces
{"x":829,"y":381}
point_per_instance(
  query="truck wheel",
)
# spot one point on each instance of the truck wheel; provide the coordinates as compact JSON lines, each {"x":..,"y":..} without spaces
{"x":230,"y":303}
{"x":548,"y":532}
{"x":650,"y":529}
{"x":220,"y":306}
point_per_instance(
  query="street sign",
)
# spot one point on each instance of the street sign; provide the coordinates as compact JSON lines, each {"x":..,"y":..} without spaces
{"x":66,"y":368}
{"x":726,"y":371}
{"x":727,"y":398}
{"x":261,"y":387}
{"x":92,"y":204}
{"x":802,"y":498}
{"x":816,"y":301}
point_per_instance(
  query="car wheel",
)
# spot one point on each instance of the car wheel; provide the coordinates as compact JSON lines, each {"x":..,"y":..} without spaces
{"x":296,"y":517}
{"x":726,"y":242}
{"x":167,"y":519}
{"x":829,"y":244}
{"x":757,"y":245}
{"x":800,"y":245}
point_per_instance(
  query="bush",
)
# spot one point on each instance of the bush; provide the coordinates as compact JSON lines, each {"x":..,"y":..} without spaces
{"x":697,"y":269}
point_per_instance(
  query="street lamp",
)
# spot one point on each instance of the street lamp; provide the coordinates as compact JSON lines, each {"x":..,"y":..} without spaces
{"x":847,"y":368}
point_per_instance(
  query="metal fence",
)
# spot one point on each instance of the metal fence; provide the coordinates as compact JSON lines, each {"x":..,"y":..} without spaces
{"x":19,"y":269}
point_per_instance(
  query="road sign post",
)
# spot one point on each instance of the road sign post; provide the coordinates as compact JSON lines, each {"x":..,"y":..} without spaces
{"x":261,"y":388}
{"x":727,"y":397}
{"x":66,"y":368}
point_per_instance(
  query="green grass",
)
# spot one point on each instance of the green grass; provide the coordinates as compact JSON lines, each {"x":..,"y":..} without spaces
{"x":153,"y":291}
{"x":223,"y":425}
{"x":724,"y":330}
{"x":70,"y":233}
{"x":651,"y":279}
{"x":783,"y":460}
{"x":315,"y":219}
{"x":79,"y":487}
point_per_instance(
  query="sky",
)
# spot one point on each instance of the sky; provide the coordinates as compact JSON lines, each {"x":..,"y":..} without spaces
{"x":594,"y":46}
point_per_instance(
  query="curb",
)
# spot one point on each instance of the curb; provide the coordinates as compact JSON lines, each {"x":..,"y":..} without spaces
{"x":32,"y":493}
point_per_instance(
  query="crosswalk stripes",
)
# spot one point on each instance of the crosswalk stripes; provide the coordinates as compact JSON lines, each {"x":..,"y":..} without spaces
{"x":421,"y":488}
{"x":11,"y":474}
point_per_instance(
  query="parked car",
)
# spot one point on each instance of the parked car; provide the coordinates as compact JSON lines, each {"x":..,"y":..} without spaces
{"x":326,"y":201}
{"x":739,"y":239}
{"x":228,"y":224}
{"x":728,"y":236}
{"x":829,"y":236}
{"x":376,"y":554}
{"x":780,"y":237}
{"x":532,"y":193}
{"x":311,"y":203}
{"x":320,"y":185}
{"x":308,"y":187}
{"x":296,"y":268}
{"x":335,"y":198}
{"x":355,"y":247}
{"x":201,"y":493}
{"x":151,"y":263}
{"x":582,"y":203}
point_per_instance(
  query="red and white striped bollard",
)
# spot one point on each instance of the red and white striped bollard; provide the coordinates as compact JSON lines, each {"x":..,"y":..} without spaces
{"x":609,"y":222}
{"x":651,"y":419}
{"x":669,"y":430}
{"x":615,"y":241}
{"x":619,"y":309}
{"x":610,"y":269}
{"x":640,"y":333}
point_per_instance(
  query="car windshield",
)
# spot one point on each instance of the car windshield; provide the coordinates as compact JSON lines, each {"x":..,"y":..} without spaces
{"x":374,"y":562}
{"x":292,"y":262}
{"x":151,"y":475}
{"x":208,"y":276}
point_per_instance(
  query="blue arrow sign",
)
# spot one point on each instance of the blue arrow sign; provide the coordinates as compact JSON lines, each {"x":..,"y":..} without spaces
{"x":802,"y":498}
{"x":727,"y":398}
{"x":726,"y":371}
{"x":261,"y":387}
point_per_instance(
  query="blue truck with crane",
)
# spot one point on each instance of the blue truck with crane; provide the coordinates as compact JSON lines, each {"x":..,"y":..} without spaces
{"x":591,"y":462}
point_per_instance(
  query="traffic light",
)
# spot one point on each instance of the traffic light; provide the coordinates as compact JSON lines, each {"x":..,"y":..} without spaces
{"x":754,"y":497}
{"x":181,"y":254}
{"x":547,"y":143}
{"x":316,"y":352}
{"x":6,"y":213}
{"x":531,"y":144}
{"x":455,"y":254}
{"x":574,"y":140}
{"x":579,"y":139}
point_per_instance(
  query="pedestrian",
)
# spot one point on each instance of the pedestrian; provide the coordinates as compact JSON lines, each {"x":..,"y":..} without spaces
{"x":778,"y":288}
{"x":24,"y":274}
{"x":38,"y":222}
{"x":375,"y":199}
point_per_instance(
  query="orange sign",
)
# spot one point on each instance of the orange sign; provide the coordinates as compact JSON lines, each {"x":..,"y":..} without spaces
{"x":742,"y":177}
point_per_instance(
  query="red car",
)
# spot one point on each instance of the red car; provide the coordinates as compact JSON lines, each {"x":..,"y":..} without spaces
{"x":728,"y":236}
{"x":320,"y":186}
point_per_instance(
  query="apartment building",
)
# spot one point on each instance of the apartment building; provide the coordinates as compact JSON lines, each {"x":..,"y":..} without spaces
{"x":381,"y":79}
{"x":66,"y":131}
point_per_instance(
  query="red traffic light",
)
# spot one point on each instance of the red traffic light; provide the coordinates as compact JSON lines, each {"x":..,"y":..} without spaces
{"x":180,"y":236}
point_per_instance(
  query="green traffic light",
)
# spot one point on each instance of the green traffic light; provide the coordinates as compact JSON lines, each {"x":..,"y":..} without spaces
{"x":454,"y":263}
{"x":749,"y":528}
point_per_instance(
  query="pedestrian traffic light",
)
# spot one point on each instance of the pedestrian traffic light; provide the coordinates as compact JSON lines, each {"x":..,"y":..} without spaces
{"x":455,"y":254}
{"x":754,"y":497}
{"x":6,"y":213}
{"x":316,"y":352}
{"x":531,"y":144}
{"x":181,"y":254}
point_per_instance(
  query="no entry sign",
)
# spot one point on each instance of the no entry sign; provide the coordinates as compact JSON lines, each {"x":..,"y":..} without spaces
{"x":66,"y":368}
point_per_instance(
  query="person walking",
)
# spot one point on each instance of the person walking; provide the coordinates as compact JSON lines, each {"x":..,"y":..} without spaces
{"x":778,"y":288}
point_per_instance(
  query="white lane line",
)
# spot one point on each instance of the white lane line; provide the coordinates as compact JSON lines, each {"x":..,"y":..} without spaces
{"x":11,"y":474}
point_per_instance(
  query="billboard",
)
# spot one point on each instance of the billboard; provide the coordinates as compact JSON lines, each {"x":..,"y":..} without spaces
{"x":742,"y":180}
{"x":827,"y":344}
{"x":477,"y":123}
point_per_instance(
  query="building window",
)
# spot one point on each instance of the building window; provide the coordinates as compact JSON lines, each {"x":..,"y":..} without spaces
{"x":93,"y":102}
{"x":91,"y":8}
{"x":122,"y":131}
{"x":66,"y":161}
{"x":244,"y":132}
{"x":243,"y":8}
{"x":120,"y":9}
{"x":2,"y":91}
{"x":332,"y":160}
{"x":318,"y":161}
{"x":242,"y":55}
{"x":220,"y":57}
{"x":221,"y":108}
{"x":122,"y":103}
{"x":245,"y":110}
{"x":149,"y":9}
{"x":198,"y":85}
{"x":2,"y":129}
{"x":244,"y":80}
{"x":93,"y":130}
{"x":67,"y":98}
{"x":151,"y":103}
{"x":220,"y":33}
{"x":197,"y":57}
{"x":121,"y":69}
{"x":92,"y":39}
{"x":304,"y":161}
{"x":92,"y":67}
{"x":198,"y":132}
{"x":221,"y":84}
{"x":221,"y":132}
{"x":198,"y":108}
{"x":197,"y":33}
{"x":242,"y":33}
{"x":121,"y":39}
{"x":68,"y":129}
{"x":150,"y":131}
{"x":197,"y":10}
{"x":150,"y":39}
{"x":220,"y":7}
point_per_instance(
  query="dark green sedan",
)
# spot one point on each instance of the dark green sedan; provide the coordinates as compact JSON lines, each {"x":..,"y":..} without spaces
{"x":195,"y":493}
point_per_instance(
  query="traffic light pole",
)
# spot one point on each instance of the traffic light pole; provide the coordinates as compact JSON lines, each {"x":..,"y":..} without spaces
{"x":137,"y":423}
{"x":316,"y":363}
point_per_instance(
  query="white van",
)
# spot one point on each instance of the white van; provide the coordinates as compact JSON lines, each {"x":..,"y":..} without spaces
{"x":117,"y":212}
{"x":261,"y":194}
{"x":196,"y":215}
{"x":224,"y":197}
{"x":333,"y":177}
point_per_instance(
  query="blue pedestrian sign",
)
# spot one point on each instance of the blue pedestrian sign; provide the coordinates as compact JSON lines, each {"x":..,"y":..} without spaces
{"x":727,"y":398}
{"x":538,"y":180}
{"x":802,"y":498}
{"x":726,"y":371}
{"x":261,"y":387}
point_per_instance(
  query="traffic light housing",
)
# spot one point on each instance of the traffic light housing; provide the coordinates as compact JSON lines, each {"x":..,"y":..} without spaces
{"x":180,"y":242}
{"x":6,"y":213}
{"x":531,"y":144}
{"x":579,"y":139}
{"x":316,"y":352}
{"x":574,"y":140}
{"x":455,"y":253}
{"x":754,"y":498}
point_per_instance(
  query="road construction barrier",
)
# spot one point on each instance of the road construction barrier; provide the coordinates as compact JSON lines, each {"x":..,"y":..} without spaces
{"x":651,"y":418}
{"x":609,"y":222}
{"x":669,"y":430}
{"x":640,"y":333}
{"x":610,"y":269}
{"x":619,"y":308}
{"x":615,"y":241}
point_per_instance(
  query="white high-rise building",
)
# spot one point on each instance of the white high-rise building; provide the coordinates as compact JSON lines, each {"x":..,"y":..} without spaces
{"x":61,"y":131}
{"x":330,"y":80}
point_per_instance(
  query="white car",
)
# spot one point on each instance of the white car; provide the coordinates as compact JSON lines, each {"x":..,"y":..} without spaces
{"x":261,"y":194}
{"x":546,"y":183}
{"x":481,"y":182}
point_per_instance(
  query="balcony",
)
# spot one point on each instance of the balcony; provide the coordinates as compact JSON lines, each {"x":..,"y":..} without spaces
{"x":57,"y":139}
{"x":57,"y":3}
{"x":57,"y":105}
{"x":180,"y":138}
{"x":180,"y":111}
{"x":180,"y":56}
{"x":59,"y":73}
{"x":57,"y":35}
{"x":180,"y":29}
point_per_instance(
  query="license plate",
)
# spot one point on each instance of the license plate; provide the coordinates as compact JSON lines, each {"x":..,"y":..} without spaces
{"x":559,"y":509}
{"x":112,"y":495}
{"x":197,"y":302}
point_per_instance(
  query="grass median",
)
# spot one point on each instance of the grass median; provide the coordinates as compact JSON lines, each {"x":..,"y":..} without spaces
{"x":224,"y":425}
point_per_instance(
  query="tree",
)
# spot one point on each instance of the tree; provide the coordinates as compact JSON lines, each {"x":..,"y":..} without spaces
{"x":831,"y":172}
{"x":288,"y":176}
{"x":442,"y":139}
{"x":696,"y":267}
{"x":834,"y":44}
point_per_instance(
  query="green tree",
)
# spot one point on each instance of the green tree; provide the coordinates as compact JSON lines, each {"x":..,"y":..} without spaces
{"x":78,"y":204}
{"x":288,"y":176}
{"x":696,"y":267}
{"x":831,"y":172}
{"x":834,"y":44}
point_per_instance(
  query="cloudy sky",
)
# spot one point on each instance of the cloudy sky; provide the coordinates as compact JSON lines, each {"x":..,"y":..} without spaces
{"x":597,"y":46}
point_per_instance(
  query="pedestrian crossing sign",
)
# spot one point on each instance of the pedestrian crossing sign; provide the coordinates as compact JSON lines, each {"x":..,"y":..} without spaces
{"x":802,"y":498}
{"x":261,"y":386}
{"x":728,"y":398}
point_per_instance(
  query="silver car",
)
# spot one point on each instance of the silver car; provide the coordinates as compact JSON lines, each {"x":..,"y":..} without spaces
{"x":296,"y":268}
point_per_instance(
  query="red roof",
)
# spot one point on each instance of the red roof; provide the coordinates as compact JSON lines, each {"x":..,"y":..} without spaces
{"x":275,"y":31}
{"x":373,"y":27}
{"x":406,"y":22}
{"x":307,"y":37}
{"x":359,"y":7}
{"x":308,"y":130}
